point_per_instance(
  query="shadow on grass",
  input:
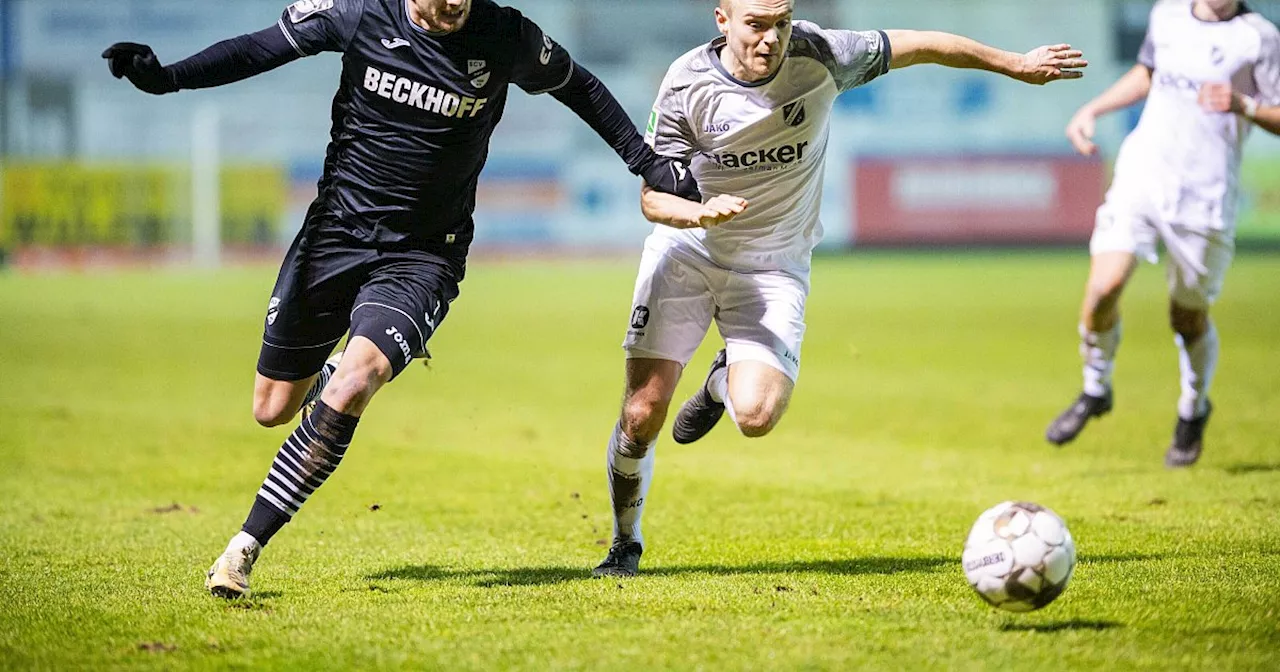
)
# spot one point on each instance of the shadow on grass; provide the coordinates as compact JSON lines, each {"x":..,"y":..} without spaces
{"x":1251,"y":468}
{"x":1059,"y":626}
{"x":536,"y":576}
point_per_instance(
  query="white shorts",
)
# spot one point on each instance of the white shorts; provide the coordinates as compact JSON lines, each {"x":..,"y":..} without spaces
{"x":678,"y":293}
{"x":1199,"y":256}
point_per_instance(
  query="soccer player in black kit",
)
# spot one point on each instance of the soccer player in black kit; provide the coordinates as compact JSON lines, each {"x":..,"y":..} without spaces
{"x":384,"y":245}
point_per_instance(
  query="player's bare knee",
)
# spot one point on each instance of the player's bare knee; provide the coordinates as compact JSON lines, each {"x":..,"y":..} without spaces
{"x":1103,"y":295}
{"x":756,"y":421}
{"x":755,"y":426}
{"x":643,"y":416}
{"x":353,"y":385}
{"x":271,"y":407}
{"x":1190,"y":323}
{"x":270,"y":414}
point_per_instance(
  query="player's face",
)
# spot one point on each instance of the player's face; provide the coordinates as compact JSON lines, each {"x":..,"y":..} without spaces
{"x":757,"y":32}
{"x":1222,"y":7}
{"x":444,"y":16}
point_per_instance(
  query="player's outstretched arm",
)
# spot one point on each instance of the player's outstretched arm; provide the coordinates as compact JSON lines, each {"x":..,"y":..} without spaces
{"x":592,"y":101}
{"x":1220,"y":97}
{"x":1038,"y":66}
{"x":1132,"y":87}
{"x":680,"y":213}
{"x":543,"y":66}
{"x":223,"y":63}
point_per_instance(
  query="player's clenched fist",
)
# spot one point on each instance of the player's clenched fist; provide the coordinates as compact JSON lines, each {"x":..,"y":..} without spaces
{"x":1051,"y":63}
{"x":1219,"y":97}
{"x":719,"y":210}
{"x":138,"y":63}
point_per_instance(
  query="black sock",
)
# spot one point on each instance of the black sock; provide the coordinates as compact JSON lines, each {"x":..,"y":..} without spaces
{"x":305,"y":460}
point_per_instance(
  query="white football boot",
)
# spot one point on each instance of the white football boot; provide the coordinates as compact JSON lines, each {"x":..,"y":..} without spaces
{"x":229,"y":576}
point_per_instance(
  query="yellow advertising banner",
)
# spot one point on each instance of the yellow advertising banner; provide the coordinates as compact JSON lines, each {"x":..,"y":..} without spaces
{"x":119,"y":205}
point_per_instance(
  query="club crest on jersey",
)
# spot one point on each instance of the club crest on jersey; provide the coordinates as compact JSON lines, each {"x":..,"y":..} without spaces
{"x":477,"y":66}
{"x":303,"y":9}
{"x":793,"y":113}
{"x":1216,"y":55}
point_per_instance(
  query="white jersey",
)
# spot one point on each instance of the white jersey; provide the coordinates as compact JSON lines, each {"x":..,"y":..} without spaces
{"x":1185,"y":158}
{"x":765,"y":141}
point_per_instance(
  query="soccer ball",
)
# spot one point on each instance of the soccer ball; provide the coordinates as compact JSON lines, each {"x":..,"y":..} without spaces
{"x":1019,"y":556}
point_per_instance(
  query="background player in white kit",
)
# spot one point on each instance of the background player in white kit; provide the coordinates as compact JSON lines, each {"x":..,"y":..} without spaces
{"x":1209,"y":70}
{"x":750,"y":111}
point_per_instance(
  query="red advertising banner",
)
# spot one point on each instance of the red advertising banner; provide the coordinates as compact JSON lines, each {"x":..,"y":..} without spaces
{"x":976,"y":199}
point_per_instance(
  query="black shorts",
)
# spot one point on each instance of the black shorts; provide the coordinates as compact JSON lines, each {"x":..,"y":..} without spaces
{"x":333,"y":281}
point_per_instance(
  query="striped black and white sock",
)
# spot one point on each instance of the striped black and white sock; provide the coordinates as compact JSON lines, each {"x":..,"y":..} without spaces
{"x":317,"y":387}
{"x":305,"y":460}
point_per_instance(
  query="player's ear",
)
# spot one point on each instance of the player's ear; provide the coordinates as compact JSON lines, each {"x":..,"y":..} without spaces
{"x":722,"y":19}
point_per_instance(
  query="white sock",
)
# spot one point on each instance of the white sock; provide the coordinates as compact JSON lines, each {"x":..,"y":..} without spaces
{"x":242,"y":540}
{"x":718,"y":387}
{"x":1197,"y":364}
{"x":630,"y":468}
{"x":1099,"y":352}
{"x":718,"y":384}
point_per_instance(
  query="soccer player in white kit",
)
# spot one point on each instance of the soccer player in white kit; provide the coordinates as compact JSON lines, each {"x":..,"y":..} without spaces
{"x":1210,"y":71}
{"x":750,"y":112}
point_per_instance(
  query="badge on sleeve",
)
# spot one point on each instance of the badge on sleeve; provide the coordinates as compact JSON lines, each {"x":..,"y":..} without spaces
{"x":303,"y":9}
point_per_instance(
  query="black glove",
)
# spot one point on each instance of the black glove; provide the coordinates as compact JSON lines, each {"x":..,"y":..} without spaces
{"x":671,"y":176}
{"x":139,"y":64}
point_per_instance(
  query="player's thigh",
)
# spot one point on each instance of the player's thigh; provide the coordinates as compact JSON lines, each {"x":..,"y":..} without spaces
{"x":1198,"y":262}
{"x":760,"y":393}
{"x":310,"y":305}
{"x":1109,"y":273}
{"x":1123,"y":233}
{"x":761,"y":318}
{"x":404,"y":302}
{"x":672,"y":306}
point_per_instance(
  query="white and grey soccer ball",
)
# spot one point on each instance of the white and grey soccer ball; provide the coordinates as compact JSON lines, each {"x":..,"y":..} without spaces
{"x":1019,"y":556}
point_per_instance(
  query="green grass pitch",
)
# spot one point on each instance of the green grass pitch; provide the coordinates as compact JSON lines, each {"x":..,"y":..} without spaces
{"x":461,"y":528}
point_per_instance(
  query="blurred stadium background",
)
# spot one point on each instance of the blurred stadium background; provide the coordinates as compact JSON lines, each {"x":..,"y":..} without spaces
{"x":460,"y":533}
{"x":93,"y":170}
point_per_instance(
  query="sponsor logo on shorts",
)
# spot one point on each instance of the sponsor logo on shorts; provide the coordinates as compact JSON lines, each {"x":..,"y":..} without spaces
{"x":640,"y":317}
{"x":790,"y":357}
{"x":400,"y":341}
